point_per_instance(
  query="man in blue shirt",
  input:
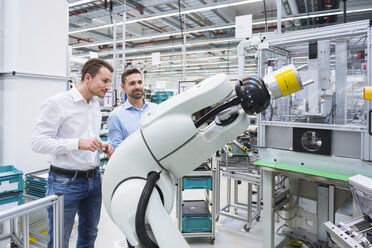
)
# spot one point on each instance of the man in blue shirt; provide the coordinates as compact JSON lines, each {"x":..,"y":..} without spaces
{"x":125,"y":120}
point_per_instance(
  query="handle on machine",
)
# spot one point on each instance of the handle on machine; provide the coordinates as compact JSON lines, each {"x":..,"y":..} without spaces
{"x":369,"y":122}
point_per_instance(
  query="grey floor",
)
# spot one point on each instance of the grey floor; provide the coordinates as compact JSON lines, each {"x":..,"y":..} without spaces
{"x":229,"y":232}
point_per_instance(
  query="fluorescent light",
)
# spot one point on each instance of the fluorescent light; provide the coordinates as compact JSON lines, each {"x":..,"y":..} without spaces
{"x":216,"y":28}
{"x":166,"y":54}
{"x":157,"y":36}
{"x":171,"y":46}
{"x":173,"y":13}
{"x":78,"y":3}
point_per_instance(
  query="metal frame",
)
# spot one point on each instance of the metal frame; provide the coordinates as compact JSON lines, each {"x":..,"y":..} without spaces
{"x":345,"y":236}
{"x":23,"y":212}
{"x":324,"y":33}
{"x":211,"y":200}
{"x":237,"y":173}
{"x":37,"y":75}
{"x":292,"y":38}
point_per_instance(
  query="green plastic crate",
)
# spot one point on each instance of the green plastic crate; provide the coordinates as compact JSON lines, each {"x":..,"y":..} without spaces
{"x":196,"y":217}
{"x":201,"y":182}
{"x":10,"y":200}
{"x":11,"y":179}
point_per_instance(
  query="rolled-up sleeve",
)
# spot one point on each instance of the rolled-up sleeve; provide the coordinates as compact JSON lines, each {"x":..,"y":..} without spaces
{"x":115,"y":133}
{"x":44,"y":139}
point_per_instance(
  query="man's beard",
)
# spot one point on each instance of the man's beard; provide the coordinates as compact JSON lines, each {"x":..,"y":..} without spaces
{"x":136,"y":96}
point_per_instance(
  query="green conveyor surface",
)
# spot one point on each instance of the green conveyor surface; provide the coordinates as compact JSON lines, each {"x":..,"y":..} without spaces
{"x":319,"y":173}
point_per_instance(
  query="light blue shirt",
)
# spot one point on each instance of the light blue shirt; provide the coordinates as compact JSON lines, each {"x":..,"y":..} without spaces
{"x":124,"y":121}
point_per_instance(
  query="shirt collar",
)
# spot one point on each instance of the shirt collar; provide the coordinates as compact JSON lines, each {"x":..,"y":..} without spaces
{"x":128,"y":105}
{"x":76,"y":95}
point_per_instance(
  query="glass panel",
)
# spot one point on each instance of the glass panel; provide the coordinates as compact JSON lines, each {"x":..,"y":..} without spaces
{"x":339,"y":71}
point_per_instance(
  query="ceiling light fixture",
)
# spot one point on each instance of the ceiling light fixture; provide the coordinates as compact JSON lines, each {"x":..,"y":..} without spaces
{"x":218,"y":28}
{"x":171,"y":46}
{"x":78,"y":3}
{"x":157,"y":36}
{"x":165,"y":54}
{"x":173,"y":13}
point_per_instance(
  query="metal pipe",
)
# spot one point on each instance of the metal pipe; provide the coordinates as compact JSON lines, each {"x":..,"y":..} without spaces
{"x":184,"y":51}
{"x":279,"y":15}
{"x":78,"y":60}
{"x":299,"y":68}
{"x":26,"y":237}
{"x":24,"y":74}
{"x":115,"y":55}
{"x":306,"y":83}
{"x":241,"y":57}
{"x":294,"y":9}
{"x":124,"y":63}
{"x":344,"y":11}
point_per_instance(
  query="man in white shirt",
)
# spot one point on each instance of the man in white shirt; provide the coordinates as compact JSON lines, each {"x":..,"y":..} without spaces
{"x":68,"y":130}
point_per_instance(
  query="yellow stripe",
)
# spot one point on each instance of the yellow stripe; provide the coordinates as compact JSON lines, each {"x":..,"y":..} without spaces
{"x":287,"y":82}
{"x":33,"y":239}
{"x":367,"y":93}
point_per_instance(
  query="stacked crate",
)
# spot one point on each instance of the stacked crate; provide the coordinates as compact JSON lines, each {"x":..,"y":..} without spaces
{"x":196,"y":216}
{"x":161,"y":96}
{"x":36,"y":183}
{"x":102,"y":156}
{"x":11,"y":187}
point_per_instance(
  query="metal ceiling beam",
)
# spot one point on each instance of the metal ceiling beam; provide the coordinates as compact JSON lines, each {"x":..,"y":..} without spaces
{"x":215,"y":12}
{"x":93,"y":31}
{"x":190,"y":18}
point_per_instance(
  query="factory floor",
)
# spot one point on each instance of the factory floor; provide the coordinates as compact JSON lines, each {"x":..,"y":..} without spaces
{"x":229,"y":232}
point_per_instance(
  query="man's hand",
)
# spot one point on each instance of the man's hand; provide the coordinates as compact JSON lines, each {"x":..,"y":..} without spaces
{"x":108,"y":149}
{"x":89,"y":144}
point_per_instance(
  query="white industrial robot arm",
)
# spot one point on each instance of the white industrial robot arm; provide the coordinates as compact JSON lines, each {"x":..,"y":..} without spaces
{"x":138,"y":185}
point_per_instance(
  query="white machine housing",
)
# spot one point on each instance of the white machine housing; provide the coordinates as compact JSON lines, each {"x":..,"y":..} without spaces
{"x":168,"y":142}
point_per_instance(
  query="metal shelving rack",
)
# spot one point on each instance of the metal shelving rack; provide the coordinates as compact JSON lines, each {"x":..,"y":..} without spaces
{"x":209,"y":198}
{"x":235,"y":168}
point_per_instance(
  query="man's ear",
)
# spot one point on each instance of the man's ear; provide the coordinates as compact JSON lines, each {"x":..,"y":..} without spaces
{"x":122,"y":86}
{"x":87,"y":77}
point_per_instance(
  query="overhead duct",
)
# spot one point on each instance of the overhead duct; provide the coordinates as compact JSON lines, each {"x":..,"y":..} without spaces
{"x":78,"y":60}
{"x":285,"y":13}
{"x":294,"y":9}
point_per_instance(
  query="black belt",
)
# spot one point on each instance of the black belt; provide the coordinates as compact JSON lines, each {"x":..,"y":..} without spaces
{"x":72,"y":173}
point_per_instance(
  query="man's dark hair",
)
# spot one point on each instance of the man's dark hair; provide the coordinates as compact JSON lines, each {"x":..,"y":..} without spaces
{"x":93,"y":66}
{"x":129,"y":72}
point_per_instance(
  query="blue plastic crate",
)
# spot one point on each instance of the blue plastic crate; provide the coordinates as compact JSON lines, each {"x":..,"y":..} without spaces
{"x":36,"y":181}
{"x":32,"y":187}
{"x":10,"y":200}
{"x":164,"y":93}
{"x":11,"y":179}
{"x":35,"y":193}
{"x":197,"y":182}
{"x":196,"y":223}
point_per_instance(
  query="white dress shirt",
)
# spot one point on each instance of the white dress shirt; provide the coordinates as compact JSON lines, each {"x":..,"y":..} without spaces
{"x":64,"y":119}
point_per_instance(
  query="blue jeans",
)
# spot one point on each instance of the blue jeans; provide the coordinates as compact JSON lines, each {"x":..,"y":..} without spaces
{"x":82,"y":196}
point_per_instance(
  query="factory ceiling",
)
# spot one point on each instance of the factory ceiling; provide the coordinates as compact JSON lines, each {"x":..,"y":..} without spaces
{"x":198,"y":28}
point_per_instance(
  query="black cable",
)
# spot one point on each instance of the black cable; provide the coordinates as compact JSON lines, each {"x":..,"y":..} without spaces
{"x":308,"y":13}
{"x":364,"y":36}
{"x":364,"y":42}
{"x":333,"y":110}
{"x":180,"y":16}
{"x":264,"y":3}
{"x":146,"y":241}
{"x":232,"y":102}
{"x":344,"y":11}
{"x":110,"y":13}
